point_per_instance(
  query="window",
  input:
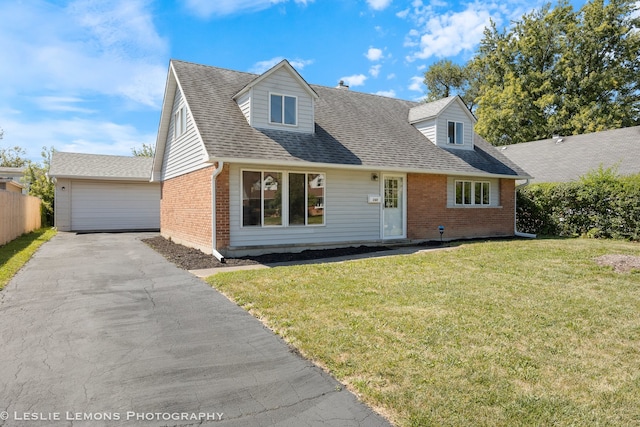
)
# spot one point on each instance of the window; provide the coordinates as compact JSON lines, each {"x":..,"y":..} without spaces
{"x":261,"y":198}
{"x":263,"y":203}
{"x":283,"y":109}
{"x":179,"y":122}
{"x":473,"y":193}
{"x":455,"y":133}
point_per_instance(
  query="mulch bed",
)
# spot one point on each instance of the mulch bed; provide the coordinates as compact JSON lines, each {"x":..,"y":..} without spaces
{"x":194,"y":259}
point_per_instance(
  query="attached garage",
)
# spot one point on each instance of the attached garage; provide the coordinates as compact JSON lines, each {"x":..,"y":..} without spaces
{"x":104,"y":193}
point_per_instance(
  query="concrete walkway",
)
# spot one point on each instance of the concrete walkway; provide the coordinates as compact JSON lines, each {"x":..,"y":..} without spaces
{"x":99,"y":329}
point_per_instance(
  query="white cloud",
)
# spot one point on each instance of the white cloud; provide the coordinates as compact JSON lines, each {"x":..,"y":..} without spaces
{"x":444,"y":32}
{"x":391,"y":76}
{"x":62,"y":103}
{"x":388,"y":93}
{"x":208,"y":8}
{"x":115,"y":40}
{"x":74,"y":134}
{"x":374,"y":54}
{"x":354,"y":80}
{"x":416,"y":84}
{"x":262,"y":66}
{"x":379,"y":4}
{"x":375,"y":70}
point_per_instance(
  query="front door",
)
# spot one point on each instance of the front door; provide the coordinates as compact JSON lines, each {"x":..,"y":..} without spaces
{"x":393,"y":207}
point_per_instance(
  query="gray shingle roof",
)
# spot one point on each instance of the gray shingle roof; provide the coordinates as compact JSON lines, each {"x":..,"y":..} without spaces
{"x":98,"y":166}
{"x":352,"y":128}
{"x":551,"y":161}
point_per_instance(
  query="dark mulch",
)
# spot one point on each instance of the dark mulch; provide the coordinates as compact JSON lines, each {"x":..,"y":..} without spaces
{"x":193,"y":259}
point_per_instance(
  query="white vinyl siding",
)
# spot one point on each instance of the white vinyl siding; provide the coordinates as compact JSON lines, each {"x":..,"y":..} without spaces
{"x":282,"y":83}
{"x":454,"y":114}
{"x":428,"y":129}
{"x":186,"y":152}
{"x":244,"y":102}
{"x":494,"y":191}
{"x":348,"y":216}
{"x":437,"y":131}
{"x":62,"y":205}
{"x":114,"y":205}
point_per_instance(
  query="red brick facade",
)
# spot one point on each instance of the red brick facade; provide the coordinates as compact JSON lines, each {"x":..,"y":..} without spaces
{"x":427,"y":209}
{"x":185,"y":209}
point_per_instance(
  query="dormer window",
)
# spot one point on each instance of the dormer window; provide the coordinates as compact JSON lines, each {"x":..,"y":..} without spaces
{"x":455,"y":133}
{"x":283,"y":109}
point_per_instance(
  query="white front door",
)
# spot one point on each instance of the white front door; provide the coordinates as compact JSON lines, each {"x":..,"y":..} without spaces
{"x":393,"y":207}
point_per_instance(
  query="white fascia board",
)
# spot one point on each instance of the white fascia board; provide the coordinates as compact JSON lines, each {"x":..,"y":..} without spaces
{"x":360,"y":167}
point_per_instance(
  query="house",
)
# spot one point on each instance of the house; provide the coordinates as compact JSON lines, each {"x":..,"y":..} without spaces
{"x":252,"y":164}
{"x":567,"y":158}
{"x":104,"y":193}
{"x":10,"y":179}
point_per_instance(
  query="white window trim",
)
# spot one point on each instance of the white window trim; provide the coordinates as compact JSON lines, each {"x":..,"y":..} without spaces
{"x":283,"y":108}
{"x":179,"y":122}
{"x":455,"y":132}
{"x":472,"y":194}
{"x":285,"y":199}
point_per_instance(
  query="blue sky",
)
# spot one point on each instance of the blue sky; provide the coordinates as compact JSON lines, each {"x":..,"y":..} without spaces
{"x":89,"y":75}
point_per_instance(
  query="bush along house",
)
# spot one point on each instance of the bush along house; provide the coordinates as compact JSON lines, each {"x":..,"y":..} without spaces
{"x":252,"y":164}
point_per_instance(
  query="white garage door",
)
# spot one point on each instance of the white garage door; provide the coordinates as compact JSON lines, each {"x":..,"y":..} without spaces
{"x":102,"y":206}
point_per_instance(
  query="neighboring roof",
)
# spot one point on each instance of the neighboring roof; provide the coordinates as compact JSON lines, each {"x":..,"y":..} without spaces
{"x":567,"y":158}
{"x":352,"y":129}
{"x":429,"y":110}
{"x":99,"y":166}
{"x":11,"y":172}
{"x":10,"y":181}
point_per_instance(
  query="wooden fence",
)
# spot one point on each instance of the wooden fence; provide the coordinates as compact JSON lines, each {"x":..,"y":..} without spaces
{"x":19,"y":214}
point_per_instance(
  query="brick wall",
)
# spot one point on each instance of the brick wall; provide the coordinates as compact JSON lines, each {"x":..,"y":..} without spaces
{"x":185,"y":209}
{"x":427,"y":209}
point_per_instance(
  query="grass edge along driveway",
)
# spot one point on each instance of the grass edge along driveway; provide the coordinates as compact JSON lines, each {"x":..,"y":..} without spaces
{"x":16,"y":253}
{"x":498,"y":333}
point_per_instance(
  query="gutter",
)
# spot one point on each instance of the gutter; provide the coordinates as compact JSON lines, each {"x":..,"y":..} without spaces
{"x":214,"y":250}
{"x":515,"y":213}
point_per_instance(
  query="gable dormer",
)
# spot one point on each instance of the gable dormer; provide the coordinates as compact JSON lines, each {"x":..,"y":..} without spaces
{"x":447,"y":123}
{"x":279,"y":99}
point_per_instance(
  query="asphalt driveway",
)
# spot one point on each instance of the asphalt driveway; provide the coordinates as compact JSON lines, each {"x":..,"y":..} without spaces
{"x":98,"y":329}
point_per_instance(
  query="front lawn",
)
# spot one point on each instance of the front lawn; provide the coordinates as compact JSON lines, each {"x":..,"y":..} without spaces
{"x":16,"y":253}
{"x":497,"y":333}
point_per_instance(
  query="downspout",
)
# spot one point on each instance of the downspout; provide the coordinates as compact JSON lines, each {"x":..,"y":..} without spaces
{"x":214,"y":245}
{"x":515,"y":213}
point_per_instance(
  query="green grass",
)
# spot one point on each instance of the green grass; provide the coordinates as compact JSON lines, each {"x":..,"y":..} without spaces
{"x":500,"y":333}
{"x":16,"y":253}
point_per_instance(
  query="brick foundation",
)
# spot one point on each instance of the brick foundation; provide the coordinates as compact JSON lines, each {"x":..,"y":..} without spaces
{"x":185,"y":209}
{"x":427,"y":209}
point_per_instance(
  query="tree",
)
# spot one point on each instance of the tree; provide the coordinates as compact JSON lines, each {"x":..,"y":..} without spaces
{"x":40,"y":185}
{"x":13,"y":157}
{"x":559,"y":71}
{"x":444,"y":79}
{"x":147,"y":150}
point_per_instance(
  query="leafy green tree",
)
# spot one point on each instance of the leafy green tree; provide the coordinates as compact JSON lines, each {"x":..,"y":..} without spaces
{"x":559,"y":71}
{"x":40,"y":185}
{"x":445,"y":78}
{"x":147,"y":150}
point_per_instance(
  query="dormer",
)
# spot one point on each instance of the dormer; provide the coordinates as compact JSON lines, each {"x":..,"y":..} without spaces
{"x":279,"y":99}
{"x":447,"y":123}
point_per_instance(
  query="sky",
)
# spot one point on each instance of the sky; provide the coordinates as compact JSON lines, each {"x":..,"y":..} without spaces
{"x":89,"y":76}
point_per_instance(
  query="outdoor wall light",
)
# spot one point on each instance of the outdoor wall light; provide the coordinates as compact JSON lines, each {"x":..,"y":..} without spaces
{"x":374,"y":177}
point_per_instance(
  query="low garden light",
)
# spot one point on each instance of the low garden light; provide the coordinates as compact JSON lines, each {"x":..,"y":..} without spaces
{"x":441,"y":230}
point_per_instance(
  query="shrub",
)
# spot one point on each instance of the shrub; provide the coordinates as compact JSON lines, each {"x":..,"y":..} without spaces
{"x":600,"y":204}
